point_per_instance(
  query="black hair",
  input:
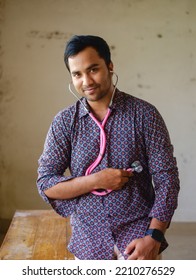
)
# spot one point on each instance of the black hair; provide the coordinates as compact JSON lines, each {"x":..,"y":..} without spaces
{"x":78,"y":43}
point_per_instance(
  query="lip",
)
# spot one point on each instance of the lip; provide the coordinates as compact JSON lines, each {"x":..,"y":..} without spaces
{"x":90,"y":90}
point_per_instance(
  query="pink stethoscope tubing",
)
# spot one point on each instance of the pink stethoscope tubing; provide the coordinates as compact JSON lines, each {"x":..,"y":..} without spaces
{"x":136,"y":166}
{"x":102,"y":148}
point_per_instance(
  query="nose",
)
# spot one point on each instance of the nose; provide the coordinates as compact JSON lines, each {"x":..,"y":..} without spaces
{"x":87,"y":80}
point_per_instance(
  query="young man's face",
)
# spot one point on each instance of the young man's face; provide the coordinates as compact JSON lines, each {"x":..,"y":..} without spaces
{"x":90,"y":75}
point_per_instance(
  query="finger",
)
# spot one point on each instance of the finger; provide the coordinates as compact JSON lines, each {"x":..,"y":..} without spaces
{"x":126,"y":173}
{"x":133,"y":257}
{"x":130,"y":248}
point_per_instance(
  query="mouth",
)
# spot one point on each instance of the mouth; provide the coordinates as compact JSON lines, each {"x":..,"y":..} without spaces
{"x":90,"y":90}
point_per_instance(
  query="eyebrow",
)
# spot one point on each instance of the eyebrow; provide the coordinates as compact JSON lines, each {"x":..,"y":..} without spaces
{"x":88,"y":68}
{"x":92,"y":66}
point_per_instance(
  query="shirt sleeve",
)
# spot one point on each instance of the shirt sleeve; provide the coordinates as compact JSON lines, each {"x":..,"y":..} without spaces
{"x":162,"y":166}
{"x":53,"y":162}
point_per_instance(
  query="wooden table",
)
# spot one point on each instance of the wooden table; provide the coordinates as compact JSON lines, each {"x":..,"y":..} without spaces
{"x":37,"y":235}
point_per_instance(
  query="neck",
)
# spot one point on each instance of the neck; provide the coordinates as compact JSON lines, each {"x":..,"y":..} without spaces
{"x":100,"y":113}
{"x":99,"y":108}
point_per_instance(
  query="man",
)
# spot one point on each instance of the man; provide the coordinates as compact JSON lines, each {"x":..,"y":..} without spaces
{"x":129,"y":221}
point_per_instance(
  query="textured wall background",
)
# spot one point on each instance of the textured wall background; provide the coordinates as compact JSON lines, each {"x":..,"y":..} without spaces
{"x":153,"y":46}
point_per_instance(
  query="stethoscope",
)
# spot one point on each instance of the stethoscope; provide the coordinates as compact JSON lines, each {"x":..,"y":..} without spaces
{"x":136,"y":166}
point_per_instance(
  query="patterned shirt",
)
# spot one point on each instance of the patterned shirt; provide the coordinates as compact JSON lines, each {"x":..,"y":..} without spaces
{"x":134,"y":131}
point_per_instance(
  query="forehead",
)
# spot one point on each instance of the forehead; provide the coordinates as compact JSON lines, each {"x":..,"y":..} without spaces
{"x":84,"y":59}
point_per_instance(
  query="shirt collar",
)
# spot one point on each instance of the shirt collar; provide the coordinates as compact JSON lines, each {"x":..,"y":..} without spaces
{"x":82,"y":111}
{"x":116,"y":99}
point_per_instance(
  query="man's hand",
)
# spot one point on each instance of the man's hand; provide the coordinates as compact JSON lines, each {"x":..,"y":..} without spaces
{"x":113,"y":179}
{"x":145,"y":248}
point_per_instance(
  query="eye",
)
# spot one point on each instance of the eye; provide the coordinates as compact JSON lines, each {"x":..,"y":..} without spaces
{"x":94,"y":70}
{"x":76,"y":74}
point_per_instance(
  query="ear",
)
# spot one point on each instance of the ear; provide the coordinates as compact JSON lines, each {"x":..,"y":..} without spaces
{"x":111,"y":67}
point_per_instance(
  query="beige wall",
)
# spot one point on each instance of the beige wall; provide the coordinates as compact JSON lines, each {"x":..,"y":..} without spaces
{"x":154,"y":50}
